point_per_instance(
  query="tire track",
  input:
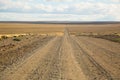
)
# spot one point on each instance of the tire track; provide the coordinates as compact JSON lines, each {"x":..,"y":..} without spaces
{"x":59,"y":64}
{"x":29,"y":64}
{"x":87,"y":58}
{"x":48,"y":68}
{"x":63,"y":58}
{"x":103,"y":43}
{"x":110,"y":61}
{"x":70,"y":69}
{"x":109,"y":52}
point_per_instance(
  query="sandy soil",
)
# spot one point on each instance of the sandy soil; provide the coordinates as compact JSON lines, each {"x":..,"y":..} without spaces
{"x":53,"y":28}
{"x":105,"y":53}
{"x":69,"y":58}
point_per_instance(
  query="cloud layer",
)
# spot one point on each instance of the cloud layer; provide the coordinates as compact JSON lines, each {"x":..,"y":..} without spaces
{"x":77,"y":10}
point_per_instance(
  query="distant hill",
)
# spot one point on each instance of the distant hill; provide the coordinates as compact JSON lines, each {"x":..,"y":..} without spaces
{"x":63,"y":22}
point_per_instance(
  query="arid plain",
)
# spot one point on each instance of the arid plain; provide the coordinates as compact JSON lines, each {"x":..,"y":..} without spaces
{"x":59,"y":51}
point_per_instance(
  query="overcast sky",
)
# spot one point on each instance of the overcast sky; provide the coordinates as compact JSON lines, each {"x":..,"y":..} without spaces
{"x":59,"y":10}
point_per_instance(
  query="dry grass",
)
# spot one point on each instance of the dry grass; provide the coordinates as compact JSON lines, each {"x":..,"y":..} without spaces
{"x":53,"y":28}
{"x":30,"y":28}
{"x":103,"y":28}
{"x":16,"y":48}
{"x":39,"y":56}
{"x":11,"y":35}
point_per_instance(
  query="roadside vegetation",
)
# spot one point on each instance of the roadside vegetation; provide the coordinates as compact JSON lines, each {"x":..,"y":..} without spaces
{"x":111,"y":37}
{"x":3,"y":37}
{"x":17,"y":48}
{"x":16,"y":38}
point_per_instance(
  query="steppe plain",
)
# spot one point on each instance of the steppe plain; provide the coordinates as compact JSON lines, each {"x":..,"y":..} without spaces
{"x":58,"y":52}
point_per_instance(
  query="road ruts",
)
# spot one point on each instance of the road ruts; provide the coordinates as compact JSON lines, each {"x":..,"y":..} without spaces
{"x":66,"y":58}
{"x":92,"y":69}
{"x":49,"y":67}
{"x":109,"y":45}
{"x":70,"y":69}
{"x":108,"y":57}
{"x":59,"y":64}
{"x":29,"y":64}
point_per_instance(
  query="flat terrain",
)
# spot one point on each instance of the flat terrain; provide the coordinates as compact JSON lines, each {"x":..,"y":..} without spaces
{"x":63,"y":57}
{"x":50,"y":28}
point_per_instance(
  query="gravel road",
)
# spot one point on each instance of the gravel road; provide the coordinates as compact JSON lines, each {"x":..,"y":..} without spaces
{"x":69,"y":58}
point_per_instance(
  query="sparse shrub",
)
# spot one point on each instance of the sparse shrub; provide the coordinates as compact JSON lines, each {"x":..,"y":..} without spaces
{"x":111,"y":37}
{"x":14,"y":36}
{"x":21,"y":35}
{"x":4,"y":37}
{"x":16,"y":39}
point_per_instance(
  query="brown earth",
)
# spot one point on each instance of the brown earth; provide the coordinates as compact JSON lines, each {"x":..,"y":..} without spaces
{"x":52,"y":28}
{"x":66,"y":57}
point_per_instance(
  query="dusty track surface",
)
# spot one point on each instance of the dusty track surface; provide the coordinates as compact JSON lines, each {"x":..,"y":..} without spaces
{"x":69,"y":58}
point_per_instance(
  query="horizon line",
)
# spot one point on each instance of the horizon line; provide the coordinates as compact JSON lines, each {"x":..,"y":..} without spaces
{"x":63,"y":22}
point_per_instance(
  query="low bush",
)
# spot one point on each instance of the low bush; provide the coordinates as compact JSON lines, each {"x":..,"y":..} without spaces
{"x":4,"y":37}
{"x":16,"y":39}
{"x":114,"y":38}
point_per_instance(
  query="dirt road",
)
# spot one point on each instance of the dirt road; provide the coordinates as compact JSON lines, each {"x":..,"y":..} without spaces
{"x":70,"y":58}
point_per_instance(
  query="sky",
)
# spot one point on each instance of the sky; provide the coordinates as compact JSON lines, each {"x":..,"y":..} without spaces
{"x":59,"y":10}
